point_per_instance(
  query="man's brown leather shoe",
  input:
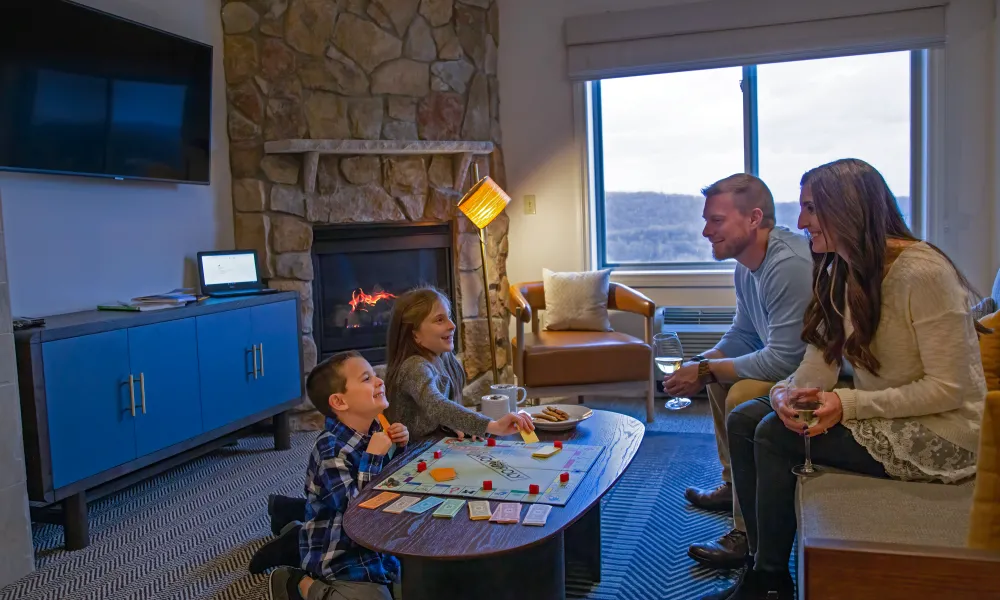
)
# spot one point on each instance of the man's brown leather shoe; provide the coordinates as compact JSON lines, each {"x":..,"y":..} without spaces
{"x":727,"y":552}
{"x":720,"y":499}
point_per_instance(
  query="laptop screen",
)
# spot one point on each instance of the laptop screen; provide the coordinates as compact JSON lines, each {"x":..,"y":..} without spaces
{"x":224,"y":269}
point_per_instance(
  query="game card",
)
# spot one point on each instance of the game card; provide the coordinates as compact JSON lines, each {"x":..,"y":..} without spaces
{"x":479,"y":510}
{"x":424,"y":505}
{"x":537,"y":515}
{"x":402,"y":504}
{"x":449,"y":509}
{"x":507,"y":512}
{"x":379,"y":500}
{"x":545,"y":451}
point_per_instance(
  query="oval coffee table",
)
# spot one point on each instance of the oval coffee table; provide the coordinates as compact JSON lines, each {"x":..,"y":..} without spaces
{"x":461,"y":558}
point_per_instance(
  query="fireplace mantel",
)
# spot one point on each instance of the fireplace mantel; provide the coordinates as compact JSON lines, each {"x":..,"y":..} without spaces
{"x":312,"y":149}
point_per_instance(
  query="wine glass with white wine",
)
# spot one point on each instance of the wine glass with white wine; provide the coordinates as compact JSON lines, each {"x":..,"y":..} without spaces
{"x":669,"y":357}
{"x":805,"y":400}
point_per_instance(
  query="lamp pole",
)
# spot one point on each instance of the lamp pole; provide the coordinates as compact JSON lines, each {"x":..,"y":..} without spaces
{"x":486,"y":291}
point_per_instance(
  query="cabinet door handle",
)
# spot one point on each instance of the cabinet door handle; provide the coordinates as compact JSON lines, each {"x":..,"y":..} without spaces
{"x":142,"y":388}
{"x":131,"y":391}
{"x":255,"y":361}
{"x":262,"y":359}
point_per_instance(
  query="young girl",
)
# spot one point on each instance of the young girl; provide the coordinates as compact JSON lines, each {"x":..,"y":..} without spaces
{"x":424,"y":380}
{"x":424,"y":383}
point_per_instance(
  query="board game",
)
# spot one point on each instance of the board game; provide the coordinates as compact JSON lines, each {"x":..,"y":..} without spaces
{"x":505,"y":471}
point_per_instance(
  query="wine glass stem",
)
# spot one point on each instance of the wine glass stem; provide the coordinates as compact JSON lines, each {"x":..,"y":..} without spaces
{"x":809,"y":462}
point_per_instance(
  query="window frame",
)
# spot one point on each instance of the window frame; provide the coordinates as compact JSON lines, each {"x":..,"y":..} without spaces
{"x":919,"y":113}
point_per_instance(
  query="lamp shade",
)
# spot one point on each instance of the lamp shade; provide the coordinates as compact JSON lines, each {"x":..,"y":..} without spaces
{"x":484,"y":202}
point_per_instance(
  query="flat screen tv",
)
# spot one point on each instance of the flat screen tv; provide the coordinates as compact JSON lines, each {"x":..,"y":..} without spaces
{"x":83,"y":92}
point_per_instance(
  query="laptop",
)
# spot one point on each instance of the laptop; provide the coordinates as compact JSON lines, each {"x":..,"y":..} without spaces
{"x":225,"y":273}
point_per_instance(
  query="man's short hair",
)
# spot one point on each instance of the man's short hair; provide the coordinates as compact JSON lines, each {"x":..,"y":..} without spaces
{"x":327,"y":378}
{"x":749,"y":192}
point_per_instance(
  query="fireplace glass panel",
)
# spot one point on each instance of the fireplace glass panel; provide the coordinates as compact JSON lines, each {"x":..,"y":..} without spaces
{"x":356,"y":286}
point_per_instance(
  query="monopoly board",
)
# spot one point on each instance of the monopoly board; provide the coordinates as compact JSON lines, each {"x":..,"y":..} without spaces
{"x":506,"y":471}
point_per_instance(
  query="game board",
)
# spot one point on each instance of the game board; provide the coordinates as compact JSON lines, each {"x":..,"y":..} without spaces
{"x":508,"y":466}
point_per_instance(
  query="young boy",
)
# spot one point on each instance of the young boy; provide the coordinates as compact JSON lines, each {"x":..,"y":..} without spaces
{"x":349,"y":452}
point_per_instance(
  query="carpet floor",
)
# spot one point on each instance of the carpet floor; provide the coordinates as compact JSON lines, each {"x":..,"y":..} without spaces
{"x":189,"y":533}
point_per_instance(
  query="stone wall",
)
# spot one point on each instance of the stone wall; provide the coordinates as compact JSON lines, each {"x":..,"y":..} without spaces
{"x":365,"y":69}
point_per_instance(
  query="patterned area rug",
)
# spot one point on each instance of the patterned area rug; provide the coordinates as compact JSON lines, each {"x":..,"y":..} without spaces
{"x":190,"y":532}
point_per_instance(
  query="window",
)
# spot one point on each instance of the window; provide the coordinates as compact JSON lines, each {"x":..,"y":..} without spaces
{"x":659,"y":139}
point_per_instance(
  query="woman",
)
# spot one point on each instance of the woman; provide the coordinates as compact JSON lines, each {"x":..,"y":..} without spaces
{"x":897,"y":310}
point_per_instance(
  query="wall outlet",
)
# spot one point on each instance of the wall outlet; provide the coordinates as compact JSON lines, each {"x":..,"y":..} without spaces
{"x":529,"y":204}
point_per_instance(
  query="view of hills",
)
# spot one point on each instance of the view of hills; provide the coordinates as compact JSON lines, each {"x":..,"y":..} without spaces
{"x":656,"y":227}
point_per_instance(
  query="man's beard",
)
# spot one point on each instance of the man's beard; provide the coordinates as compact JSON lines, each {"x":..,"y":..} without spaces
{"x":731,"y":248}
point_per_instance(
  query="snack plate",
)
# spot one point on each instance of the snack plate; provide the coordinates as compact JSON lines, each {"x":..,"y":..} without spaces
{"x":576,"y":414}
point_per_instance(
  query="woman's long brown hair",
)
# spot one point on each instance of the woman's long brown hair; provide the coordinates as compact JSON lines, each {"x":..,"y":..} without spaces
{"x":408,"y":312}
{"x":856,"y":208}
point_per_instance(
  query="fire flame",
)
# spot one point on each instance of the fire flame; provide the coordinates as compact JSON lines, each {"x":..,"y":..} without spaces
{"x":365,"y":300}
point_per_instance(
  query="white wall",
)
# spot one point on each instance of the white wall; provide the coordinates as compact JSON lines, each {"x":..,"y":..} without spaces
{"x":74,"y":242}
{"x":543,"y":148}
{"x":543,"y":154}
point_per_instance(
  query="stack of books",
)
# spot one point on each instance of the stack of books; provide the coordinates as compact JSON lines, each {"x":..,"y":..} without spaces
{"x":172,"y":299}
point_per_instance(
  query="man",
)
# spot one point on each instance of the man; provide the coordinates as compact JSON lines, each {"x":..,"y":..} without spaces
{"x":764,"y":345}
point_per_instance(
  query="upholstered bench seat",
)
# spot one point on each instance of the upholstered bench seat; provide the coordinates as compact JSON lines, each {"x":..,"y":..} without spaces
{"x":553,"y":358}
{"x":836,"y":506}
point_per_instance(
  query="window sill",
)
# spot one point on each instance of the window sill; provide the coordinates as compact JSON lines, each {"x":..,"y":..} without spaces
{"x":675,"y":279}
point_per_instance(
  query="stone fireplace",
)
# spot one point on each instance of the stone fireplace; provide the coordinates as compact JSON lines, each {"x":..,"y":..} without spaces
{"x":359,"y":114}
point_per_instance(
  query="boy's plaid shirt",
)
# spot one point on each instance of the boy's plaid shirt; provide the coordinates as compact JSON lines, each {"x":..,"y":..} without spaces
{"x":338,"y":469}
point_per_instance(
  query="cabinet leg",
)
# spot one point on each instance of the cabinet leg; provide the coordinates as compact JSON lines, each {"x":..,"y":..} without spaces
{"x":282,"y":432}
{"x":76,"y":526}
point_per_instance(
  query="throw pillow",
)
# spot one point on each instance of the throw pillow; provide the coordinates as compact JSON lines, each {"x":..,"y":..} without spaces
{"x":577,"y":300}
{"x":985,"y":307}
{"x":989,"y":351}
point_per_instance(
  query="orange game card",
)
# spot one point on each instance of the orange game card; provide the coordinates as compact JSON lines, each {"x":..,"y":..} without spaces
{"x":443,"y":474}
{"x":379,"y":500}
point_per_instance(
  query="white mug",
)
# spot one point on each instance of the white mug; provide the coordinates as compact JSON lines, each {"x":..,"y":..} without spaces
{"x":512,"y":392}
{"x":494,"y":406}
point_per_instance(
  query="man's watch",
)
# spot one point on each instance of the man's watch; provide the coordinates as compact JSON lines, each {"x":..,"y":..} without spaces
{"x":704,"y":372}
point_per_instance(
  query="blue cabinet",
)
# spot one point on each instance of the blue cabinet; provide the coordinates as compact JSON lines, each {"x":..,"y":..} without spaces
{"x":122,"y":394}
{"x":277,"y":339}
{"x":225,"y":366}
{"x":164,"y":370}
{"x":248,"y":358}
{"x":105,"y":395}
{"x":89,"y":412}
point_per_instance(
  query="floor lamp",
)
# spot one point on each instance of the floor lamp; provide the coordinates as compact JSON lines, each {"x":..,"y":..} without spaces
{"x":483,"y":203}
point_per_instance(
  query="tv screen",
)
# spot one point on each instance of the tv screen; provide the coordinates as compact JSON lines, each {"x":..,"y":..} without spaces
{"x":86,"y":93}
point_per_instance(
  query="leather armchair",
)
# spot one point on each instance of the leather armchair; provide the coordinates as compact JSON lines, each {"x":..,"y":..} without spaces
{"x":575,"y":363}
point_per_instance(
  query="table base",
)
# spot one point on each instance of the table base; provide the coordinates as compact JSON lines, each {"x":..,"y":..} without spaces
{"x":533,"y":573}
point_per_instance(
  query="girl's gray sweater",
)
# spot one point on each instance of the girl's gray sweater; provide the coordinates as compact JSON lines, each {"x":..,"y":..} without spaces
{"x":426,"y":394}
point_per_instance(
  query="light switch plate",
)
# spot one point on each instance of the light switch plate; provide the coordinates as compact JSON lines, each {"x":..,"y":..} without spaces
{"x":529,"y":204}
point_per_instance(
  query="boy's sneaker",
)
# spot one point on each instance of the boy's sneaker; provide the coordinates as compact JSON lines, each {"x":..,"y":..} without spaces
{"x":282,"y":551}
{"x":283,"y":584}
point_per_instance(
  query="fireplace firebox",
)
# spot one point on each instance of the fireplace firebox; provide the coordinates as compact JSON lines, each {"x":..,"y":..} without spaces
{"x":359,"y":270}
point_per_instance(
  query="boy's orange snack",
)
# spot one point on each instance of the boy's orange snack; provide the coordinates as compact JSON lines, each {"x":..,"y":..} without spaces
{"x":383,"y":422}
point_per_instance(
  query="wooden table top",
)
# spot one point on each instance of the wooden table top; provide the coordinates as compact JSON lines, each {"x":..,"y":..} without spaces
{"x":424,"y":536}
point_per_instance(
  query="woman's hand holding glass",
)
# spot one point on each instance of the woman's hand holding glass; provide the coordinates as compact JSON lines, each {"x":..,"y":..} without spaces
{"x":827,"y":415}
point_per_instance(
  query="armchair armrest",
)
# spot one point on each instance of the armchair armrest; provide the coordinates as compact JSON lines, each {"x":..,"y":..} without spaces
{"x":519,"y":306}
{"x":621,"y":297}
